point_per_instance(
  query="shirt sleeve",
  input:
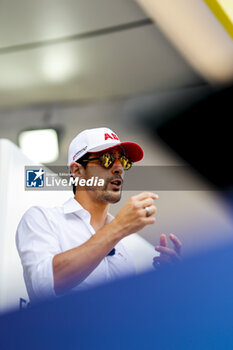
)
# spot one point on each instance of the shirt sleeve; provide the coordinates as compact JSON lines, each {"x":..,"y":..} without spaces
{"x":37,"y":244}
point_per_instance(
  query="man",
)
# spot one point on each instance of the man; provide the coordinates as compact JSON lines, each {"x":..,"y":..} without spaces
{"x":78,"y":245}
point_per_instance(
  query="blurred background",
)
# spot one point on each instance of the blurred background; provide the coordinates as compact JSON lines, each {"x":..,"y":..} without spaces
{"x":127,"y":65}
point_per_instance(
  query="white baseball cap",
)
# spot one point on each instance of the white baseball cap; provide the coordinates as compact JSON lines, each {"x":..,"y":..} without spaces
{"x":100,"y":139}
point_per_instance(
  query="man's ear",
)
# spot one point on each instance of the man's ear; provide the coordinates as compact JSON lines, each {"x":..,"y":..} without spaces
{"x":76,"y":169}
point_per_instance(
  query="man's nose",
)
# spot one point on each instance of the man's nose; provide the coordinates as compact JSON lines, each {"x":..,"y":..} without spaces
{"x":117,"y":167}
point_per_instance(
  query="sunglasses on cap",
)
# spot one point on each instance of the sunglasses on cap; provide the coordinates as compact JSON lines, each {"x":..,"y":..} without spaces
{"x":107,"y":160}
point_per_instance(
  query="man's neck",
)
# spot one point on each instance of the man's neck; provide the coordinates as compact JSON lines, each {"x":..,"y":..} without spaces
{"x":98,"y":210}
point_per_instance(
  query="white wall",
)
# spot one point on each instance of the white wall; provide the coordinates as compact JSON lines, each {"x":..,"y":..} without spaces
{"x":14,"y":202}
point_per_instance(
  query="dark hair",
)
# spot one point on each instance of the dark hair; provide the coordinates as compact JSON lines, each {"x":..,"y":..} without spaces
{"x":84,"y":164}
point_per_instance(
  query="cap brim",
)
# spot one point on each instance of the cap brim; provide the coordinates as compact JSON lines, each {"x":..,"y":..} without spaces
{"x":132,"y":150}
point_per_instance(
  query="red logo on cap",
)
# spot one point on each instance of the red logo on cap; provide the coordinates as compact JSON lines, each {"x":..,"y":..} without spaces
{"x":112,"y":136}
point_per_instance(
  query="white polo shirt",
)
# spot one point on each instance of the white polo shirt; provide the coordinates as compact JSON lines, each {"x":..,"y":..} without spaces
{"x":44,"y":232}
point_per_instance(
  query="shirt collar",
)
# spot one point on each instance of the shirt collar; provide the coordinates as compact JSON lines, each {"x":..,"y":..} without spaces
{"x":73,"y":206}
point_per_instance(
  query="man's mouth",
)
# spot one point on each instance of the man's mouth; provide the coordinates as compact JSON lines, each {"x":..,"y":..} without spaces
{"x":116,"y":184}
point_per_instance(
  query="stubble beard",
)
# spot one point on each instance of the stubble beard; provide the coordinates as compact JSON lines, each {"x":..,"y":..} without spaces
{"x":105,"y":195}
{"x":111,"y":196}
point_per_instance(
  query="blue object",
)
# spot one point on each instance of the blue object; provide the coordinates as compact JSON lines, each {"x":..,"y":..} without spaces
{"x":113,"y":251}
{"x":185,"y":307}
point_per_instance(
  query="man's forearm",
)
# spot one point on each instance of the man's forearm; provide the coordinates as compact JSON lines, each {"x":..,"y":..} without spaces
{"x":73,"y":266}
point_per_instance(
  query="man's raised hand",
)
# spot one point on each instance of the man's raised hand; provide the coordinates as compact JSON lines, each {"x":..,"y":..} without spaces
{"x":167,"y":255}
{"x":137,"y":213}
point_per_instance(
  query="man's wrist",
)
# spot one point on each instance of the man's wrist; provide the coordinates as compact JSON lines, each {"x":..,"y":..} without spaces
{"x":117,"y":230}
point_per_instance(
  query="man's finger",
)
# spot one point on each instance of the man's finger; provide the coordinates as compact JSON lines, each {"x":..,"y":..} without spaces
{"x":163,"y":240}
{"x":162,"y":259}
{"x":145,"y":195}
{"x":165,"y":250}
{"x":147,"y":202}
{"x":177,"y":243}
{"x":168,"y":251}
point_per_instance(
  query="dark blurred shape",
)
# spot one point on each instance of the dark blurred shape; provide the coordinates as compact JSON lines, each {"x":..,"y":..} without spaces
{"x":112,"y":252}
{"x":202,"y":135}
{"x":158,"y":108}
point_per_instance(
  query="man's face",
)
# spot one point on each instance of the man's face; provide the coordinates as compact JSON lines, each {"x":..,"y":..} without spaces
{"x":110,"y":192}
